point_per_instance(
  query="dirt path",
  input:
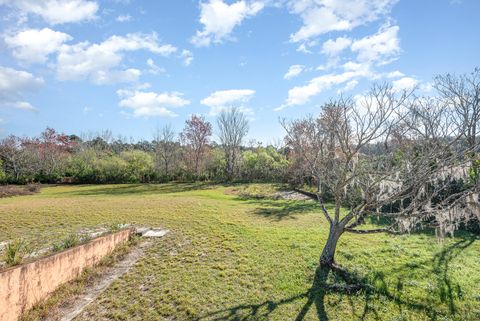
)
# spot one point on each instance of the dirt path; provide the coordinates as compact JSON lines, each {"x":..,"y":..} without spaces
{"x":72,"y":310}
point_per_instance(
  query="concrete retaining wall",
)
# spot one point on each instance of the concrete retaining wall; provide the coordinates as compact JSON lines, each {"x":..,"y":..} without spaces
{"x":23,"y":286}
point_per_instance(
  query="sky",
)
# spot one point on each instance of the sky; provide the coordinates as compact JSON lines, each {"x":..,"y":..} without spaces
{"x":130,"y":66}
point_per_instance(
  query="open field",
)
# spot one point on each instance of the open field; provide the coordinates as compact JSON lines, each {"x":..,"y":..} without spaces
{"x":241,"y":258}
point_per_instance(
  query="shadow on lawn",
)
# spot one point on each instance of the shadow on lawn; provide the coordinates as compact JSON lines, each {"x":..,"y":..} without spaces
{"x":278,"y":209}
{"x":137,"y":189}
{"x":284,"y":210}
{"x":372,"y":290}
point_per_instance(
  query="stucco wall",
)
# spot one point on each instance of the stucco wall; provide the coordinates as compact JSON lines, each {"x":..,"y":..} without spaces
{"x":23,"y":286}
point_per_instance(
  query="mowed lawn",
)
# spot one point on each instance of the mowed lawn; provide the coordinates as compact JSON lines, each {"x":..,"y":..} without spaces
{"x":237,"y":258}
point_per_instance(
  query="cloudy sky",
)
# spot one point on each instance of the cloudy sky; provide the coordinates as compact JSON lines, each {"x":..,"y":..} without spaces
{"x":129,"y":66}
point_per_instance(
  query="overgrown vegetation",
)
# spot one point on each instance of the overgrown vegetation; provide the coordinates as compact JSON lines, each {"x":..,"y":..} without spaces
{"x":70,"y":241}
{"x":14,"y":252}
{"x":249,"y":258}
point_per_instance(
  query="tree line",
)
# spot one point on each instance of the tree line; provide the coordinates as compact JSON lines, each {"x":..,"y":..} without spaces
{"x":190,"y":155}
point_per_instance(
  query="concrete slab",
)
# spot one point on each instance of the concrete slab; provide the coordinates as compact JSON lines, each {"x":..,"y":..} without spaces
{"x":155,"y":233}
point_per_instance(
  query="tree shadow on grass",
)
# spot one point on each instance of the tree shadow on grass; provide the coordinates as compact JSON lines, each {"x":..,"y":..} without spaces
{"x":371,"y":290}
{"x":136,"y":189}
{"x":445,"y":288}
{"x":279,"y":209}
{"x":284,"y":210}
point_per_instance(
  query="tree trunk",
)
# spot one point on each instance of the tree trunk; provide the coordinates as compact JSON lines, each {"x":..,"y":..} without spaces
{"x":328,"y":254}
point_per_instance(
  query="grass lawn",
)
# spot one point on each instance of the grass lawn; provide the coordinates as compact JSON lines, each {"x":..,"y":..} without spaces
{"x":238,"y":258}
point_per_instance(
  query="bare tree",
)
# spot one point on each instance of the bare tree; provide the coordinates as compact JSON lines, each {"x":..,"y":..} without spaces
{"x":196,"y":136}
{"x":165,"y":148}
{"x":15,"y":159}
{"x":233,"y":127}
{"x":382,"y":155}
{"x":462,"y":94}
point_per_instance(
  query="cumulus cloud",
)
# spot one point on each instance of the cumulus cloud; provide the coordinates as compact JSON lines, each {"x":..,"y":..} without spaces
{"x":294,"y":71}
{"x":405,"y":83}
{"x":370,"y":51}
{"x":57,"y":11}
{"x":154,"y":69}
{"x":300,"y":95}
{"x":98,"y":62}
{"x":219,"y":19}
{"x":334,"y":47}
{"x":124,"y":18}
{"x":187,"y":57}
{"x":225,"y":99}
{"x":13,"y":85}
{"x":378,"y":47}
{"x":395,"y":74}
{"x":322,"y":16}
{"x":148,"y":104}
{"x":34,"y":45}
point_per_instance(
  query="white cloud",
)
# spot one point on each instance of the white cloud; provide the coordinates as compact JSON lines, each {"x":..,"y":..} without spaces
{"x":57,"y":11}
{"x":378,"y":47}
{"x":334,"y":47}
{"x":219,"y":19}
{"x":322,"y":16}
{"x":147,"y":104}
{"x":124,"y":18}
{"x":154,"y":69}
{"x":106,"y":77}
{"x":225,"y":99}
{"x":34,"y":45}
{"x":97,"y":62}
{"x":303,"y":48}
{"x":405,"y":83}
{"x":395,"y":74}
{"x":23,"y":105}
{"x":13,"y":84}
{"x":349,"y":86}
{"x":294,"y":71}
{"x":187,"y":57}
{"x":301,"y":95}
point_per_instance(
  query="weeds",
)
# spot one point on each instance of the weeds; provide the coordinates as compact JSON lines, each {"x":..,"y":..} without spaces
{"x":14,"y":252}
{"x":70,"y":241}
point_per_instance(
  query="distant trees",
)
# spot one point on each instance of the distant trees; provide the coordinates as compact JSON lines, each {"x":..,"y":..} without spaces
{"x":50,"y":151}
{"x":196,"y":136}
{"x":233,"y":127}
{"x":264,"y":164}
{"x":54,"y":157}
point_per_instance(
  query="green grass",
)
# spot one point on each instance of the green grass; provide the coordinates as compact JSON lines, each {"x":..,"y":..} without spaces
{"x":239,"y":258}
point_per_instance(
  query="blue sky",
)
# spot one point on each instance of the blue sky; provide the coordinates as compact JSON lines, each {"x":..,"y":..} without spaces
{"x":129,"y":66}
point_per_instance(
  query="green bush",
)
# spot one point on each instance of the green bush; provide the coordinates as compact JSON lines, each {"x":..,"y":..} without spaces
{"x":139,"y":166}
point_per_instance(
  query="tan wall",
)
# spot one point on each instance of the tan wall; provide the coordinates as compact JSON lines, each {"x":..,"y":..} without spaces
{"x":23,"y":286}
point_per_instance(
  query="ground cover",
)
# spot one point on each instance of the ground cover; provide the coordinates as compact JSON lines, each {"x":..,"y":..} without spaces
{"x":235,"y":253}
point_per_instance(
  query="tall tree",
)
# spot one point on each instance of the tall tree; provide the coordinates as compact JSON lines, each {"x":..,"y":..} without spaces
{"x":233,"y":127}
{"x":381,"y":156}
{"x":165,"y":148}
{"x":196,"y":135}
{"x":462,"y":94}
